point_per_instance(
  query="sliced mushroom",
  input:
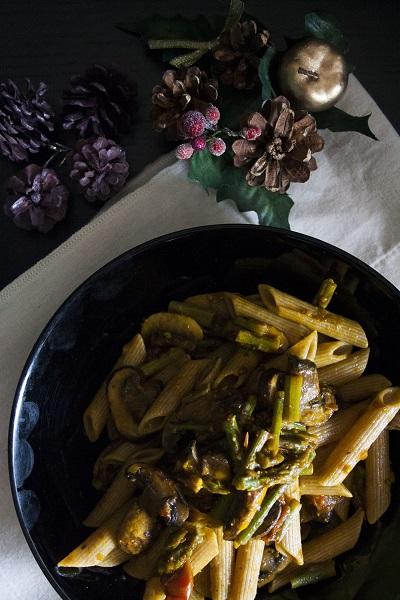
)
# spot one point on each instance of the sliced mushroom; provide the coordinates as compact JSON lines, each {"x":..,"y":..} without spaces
{"x":136,"y":530}
{"x":170,"y":329}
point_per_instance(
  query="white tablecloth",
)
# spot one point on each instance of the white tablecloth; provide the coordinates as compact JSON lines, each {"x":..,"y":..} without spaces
{"x":352,"y":201}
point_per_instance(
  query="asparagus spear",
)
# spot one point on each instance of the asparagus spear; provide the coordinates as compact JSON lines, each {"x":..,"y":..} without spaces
{"x":271,"y":497}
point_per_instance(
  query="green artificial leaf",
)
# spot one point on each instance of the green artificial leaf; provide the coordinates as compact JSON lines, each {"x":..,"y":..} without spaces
{"x":216,"y":172}
{"x":264,"y":70}
{"x":235,"y":103}
{"x":324,"y":28}
{"x":174,"y":28}
{"x":338,"y":120}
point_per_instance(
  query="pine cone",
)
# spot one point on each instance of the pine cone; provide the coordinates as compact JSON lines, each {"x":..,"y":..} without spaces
{"x":238,"y":54}
{"x":25,"y":120}
{"x":36,"y":199}
{"x":100,"y":168}
{"x":188,"y":89}
{"x":100,"y":102}
{"x":283,"y":151}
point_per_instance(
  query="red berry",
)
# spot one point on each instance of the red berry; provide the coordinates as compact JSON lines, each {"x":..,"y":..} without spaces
{"x":199,"y":143}
{"x":251,"y":133}
{"x":184,"y":151}
{"x":217,"y":146}
{"x":212,"y":114}
{"x":193,"y":124}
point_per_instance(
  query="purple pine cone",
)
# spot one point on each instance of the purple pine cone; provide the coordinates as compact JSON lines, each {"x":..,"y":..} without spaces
{"x":25,"y":120}
{"x":100,"y":168}
{"x":102,"y":101}
{"x":37,"y":199}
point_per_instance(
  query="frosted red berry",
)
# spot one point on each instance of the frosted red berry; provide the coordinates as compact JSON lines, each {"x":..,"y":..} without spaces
{"x":212,"y":114}
{"x":193,"y":124}
{"x":199,"y":143}
{"x":217,"y":146}
{"x":184,"y":151}
{"x":251,"y":133}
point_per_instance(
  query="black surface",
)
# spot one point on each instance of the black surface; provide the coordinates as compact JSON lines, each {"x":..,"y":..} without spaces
{"x":51,"y":460}
{"x":50,"y":40}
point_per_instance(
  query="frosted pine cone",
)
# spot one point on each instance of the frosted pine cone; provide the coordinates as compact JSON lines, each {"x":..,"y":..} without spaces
{"x":99,"y":167}
{"x":37,"y":199}
{"x":102,"y":101}
{"x":26,"y":120}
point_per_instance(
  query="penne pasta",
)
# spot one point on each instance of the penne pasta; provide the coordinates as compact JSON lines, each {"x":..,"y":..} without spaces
{"x":333,"y":429}
{"x":143,"y":565}
{"x":98,"y":545}
{"x":395,"y":423}
{"x":377,"y":478}
{"x":329,"y":353}
{"x":355,"y":443}
{"x":324,"y":547}
{"x":305,"y":348}
{"x":221,"y":568}
{"x":310,"y":486}
{"x":214,"y":302}
{"x":169,"y":399}
{"x":115,"y":558}
{"x":346,"y":370}
{"x":308,"y":315}
{"x":201,"y":585}
{"x":204,"y":553}
{"x":247,"y":569}
{"x":239,"y":367}
{"x":240,"y":307}
{"x":363,"y":387}
{"x":290,"y":543}
{"x":154,"y":590}
{"x":96,"y":415}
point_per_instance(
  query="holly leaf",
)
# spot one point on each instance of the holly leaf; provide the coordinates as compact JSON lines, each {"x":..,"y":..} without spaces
{"x":264,"y":73}
{"x":158,"y":27}
{"x":217,"y":172}
{"x":325,"y":28}
{"x":235,"y":103}
{"x":336,"y":119}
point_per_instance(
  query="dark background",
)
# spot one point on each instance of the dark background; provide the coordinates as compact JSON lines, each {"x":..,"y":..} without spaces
{"x":54,"y":39}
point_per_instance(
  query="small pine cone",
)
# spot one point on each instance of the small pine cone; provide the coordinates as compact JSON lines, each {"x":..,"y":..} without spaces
{"x":37,"y":199}
{"x":25,"y":120}
{"x":102,"y":101}
{"x":188,"y":89}
{"x":100,"y":168}
{"x":283,"y":153}
{"x":238,"y":54}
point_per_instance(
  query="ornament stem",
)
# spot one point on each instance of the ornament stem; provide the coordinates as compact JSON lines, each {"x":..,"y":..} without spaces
{"x":311,"y":74}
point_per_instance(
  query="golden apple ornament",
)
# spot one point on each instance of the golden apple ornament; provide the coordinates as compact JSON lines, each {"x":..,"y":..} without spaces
{"x":313,"y":75}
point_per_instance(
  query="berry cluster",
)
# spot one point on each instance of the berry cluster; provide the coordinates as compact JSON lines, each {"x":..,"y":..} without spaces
{"x":199,"y":132}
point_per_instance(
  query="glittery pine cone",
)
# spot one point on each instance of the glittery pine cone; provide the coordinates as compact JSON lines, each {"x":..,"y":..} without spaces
{"x":37,"y":199}
{"x":102,"y":101}
{"x":238,"y":54}
{"x":188,"y":89}
{"x":26,"y":120}
{"x":99,"y":167}
{"x":283,"y":152}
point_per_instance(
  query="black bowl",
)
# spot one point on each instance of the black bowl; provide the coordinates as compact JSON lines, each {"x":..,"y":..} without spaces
{"x":50,"y":458}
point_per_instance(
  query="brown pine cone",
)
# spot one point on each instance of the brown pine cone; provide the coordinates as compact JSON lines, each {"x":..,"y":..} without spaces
{"x":238,"y":54}
{"x":283,"y":151}
{"x":188,"y":89}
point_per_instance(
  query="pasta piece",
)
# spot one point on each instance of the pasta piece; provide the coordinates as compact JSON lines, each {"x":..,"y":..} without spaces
{"x":308,"y":315}
{"x":346,"y":370}
{"x":202,"y":582}
{"x":305,"y":348}
{"x":214,"y":302}
{"x":154,"y":590}
{"x":169,"y":399}
{"x":204,"y":553}
{"x":310,"y":486}
{"x":166,"y":374}
{"x":363,"y":387}
{"x":240,"y":307}
{"x":121,"y":488}
{"x":221,"y":568}
{"x":96,"y":415}
{"x":247,"y":569}
{"x":355,"y":443}
{"x":98,"y":545}
{"x":322,"y":453}
{"x":324,"y":547}
{"x":331,"y":352}
{"x":195,"y":595}
{"x":112,"y":431}
{"x":239,"y":367}
{"x":119,"y":454}
{"x":116,"y":557}
{"x":290,"y":543}
{"x":377,"y":478}
{"x":333,"y":429}
{"x":395,"y":423}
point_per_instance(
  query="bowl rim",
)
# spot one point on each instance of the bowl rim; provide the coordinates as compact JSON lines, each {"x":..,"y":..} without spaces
{"x":135,"y":251}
